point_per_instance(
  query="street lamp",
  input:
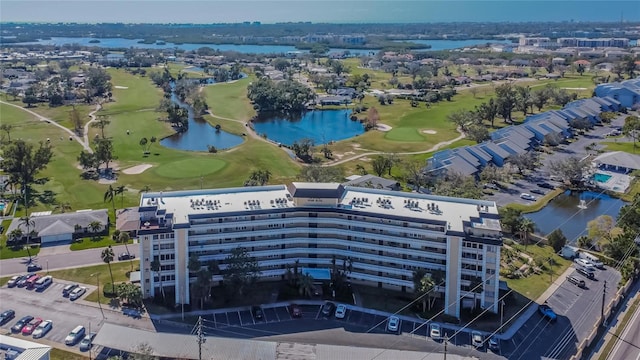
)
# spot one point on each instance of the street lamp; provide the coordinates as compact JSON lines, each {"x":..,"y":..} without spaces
{"x":97,"y":275}
{"x":501,"y":315}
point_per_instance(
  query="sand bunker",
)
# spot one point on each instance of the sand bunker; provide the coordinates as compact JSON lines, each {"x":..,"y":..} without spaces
{"x":120,"y":87}
{"x":430,"y":132}
{"x":138,"y":169}
{"x":384,"y":127}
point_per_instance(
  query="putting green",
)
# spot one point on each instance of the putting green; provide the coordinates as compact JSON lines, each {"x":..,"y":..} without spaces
{"x":190,"y":167}
{"x":404,"y":134}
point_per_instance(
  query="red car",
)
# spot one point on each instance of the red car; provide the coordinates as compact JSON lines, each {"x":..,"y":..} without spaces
{"x":28,"y":329}
{"x":296,"y":311}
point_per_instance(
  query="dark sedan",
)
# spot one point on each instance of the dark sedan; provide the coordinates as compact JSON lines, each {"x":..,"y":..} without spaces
{"x":21,"y":323}
{"x":6,"y":316}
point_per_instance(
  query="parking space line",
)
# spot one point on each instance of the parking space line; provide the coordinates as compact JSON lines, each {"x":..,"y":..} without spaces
{"x":240,"y":318}
{"x":253,"y":318}
{"x":319,"y":312}
{"x":215,"y":323}
{"x":227,"y":315}
{"x":275,"y":312}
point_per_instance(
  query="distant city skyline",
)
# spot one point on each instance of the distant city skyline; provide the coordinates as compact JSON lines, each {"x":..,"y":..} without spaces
{"x":350,"y":11}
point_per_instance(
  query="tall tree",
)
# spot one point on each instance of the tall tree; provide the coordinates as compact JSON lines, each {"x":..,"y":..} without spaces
{"x":526,"y":227}
{"x":557,"y":240}
{"x":7,"y":129}
{"x":631,"y":128}
{"x":104,"y":151}
{"x":510,"y":218}
{"x":28,"y":223}
{"x":120,"y":190}
{"x":488,"y":111}
{"x":110,"y":195}
{"x":242,"y":270}
{"x":506,"y":101}
{"x":571,"y":169}
{"x":107,"y":256}
{"x":101,"y":123}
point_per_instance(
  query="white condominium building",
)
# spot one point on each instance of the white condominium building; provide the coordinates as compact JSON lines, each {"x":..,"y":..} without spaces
{"x":384,"y":236}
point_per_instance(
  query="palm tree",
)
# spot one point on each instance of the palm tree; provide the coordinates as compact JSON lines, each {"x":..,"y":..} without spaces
{"x":423,"y":286}
{"x":28,"y":223}
{"x":124,"y":238}
{"x":526,"y":227}
{"x":108,"y":256}
{"x":110,"y":195}
{"x":155,"y":267}
{"x":120,"y":190}
{"x":305,"y":285}
{"x":476,"y":287}
{"x":16,"y":234}
{"x":145,"y":189}
{"x":95,"y":226}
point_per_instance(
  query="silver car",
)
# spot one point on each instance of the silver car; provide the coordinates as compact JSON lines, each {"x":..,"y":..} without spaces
{"x":42,"y":329}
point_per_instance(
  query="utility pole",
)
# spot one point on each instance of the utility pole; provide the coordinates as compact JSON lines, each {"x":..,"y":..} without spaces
{"x":446,"y":340}
{"x":604,"y":293}
{"x":200,"y":337}
{"x":501,"y":316}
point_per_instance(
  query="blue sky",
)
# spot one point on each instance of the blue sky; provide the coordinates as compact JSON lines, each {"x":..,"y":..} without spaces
{"x":352,"y":11}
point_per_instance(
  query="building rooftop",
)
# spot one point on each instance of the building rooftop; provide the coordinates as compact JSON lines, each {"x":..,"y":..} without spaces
{"x":619,"y":158}
{"x":440,"y":210}
{"x":48,"y":225}
{"x":26,"y":350}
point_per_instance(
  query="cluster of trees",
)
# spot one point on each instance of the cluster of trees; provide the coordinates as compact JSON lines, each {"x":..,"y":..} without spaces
{"x":283,"y":96}
{"x":631,"y":128}
{"x":103,"y":151}
{"x":258,"y":177}
{"x":509,"y":98}
{"x":224,"y":73}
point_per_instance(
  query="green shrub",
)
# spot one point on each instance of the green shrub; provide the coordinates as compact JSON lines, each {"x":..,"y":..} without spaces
{"x":109,"y":290}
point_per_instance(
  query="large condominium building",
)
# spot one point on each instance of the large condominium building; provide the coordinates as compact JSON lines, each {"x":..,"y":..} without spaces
{"x":384,"y":236}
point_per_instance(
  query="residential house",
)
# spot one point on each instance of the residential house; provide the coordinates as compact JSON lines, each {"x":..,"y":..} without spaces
{"x":626,"y":92}
{"x":618,"y":161}
{"x":63,"y":227}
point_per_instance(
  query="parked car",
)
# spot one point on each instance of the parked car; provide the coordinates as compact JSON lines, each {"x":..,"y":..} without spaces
{"x":546,"y":185}
{"x":435,"y":331}
{"x":87,"y":342}
{"x":21,"y":323}
{"x":75,"y":335}
{"x":576,"y":281}
{"x":527,"y":197}
{"x":583,"y":262}
{"x":491,"y":186}
{"x":68,"y":289}
{"x":77,"y":293}
{"x":494,"y":345}
{"x":32,"y":325}
{"x":43,"y":329}
{"x":257,"y":312}
{"x":6,"y":316}
{"x":547,"y":312}
{"x":341,"y":311}
{"x":586,"y":272}
{"x":44,"y":282}
{"x":13,"y":282}
{"x":328,"y":308}
{"x":23,"y":282}
{"x":295,"y":311}
{"x":31,"y":281}
{"x":538,"y":191}
{"x":393,"y":324}
{"x":477,"y":339}
{"x":126,"y":256}
{"x":33,"y":267}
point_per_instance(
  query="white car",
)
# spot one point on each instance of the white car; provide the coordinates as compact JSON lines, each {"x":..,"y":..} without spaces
{"x":42,"y":329}
{"x":477,"y":339}
{"x":585,"y":264}
{"x":77,"y":293}
{"x":341,"y":311}
{"x":435,"y":331}
{"x":393,"y":324}
{"x":527,"y":197}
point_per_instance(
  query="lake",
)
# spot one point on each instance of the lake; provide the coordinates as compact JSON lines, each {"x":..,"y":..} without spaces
{"x":563,"y":212}
{"x":199,"y":135}
{"x":322,"y":126}
{"x":255,"y":49}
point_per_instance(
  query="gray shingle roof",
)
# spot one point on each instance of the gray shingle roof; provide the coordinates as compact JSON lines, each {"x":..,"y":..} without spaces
{"x":619,"y":158}
{"x":376,"y":181}
{"x":61,"y":223}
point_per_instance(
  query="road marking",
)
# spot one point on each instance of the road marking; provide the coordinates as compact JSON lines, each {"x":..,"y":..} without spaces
{"x":252,"y":318}
{"x":215,"y":323}
{"x":275,"y":312}
{"x":319,"y":312}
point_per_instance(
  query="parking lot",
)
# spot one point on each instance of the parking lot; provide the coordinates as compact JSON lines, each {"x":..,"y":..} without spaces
{"x":357,"y":328}
{"x":49,"y":304}
{"x":578,"y":310}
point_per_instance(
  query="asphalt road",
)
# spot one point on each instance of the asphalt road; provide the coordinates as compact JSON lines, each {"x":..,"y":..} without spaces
{"x":56,"y":259}
{"x":627,"y":347}
{"x":578,"y":311}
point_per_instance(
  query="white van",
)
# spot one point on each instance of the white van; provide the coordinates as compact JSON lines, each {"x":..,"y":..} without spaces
{"x":592,"y":259}
{"x":43,"y":282}
{"x":585,"y":264}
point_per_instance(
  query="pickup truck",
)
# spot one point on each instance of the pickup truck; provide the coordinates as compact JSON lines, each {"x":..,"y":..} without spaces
{"x":547,"y":312}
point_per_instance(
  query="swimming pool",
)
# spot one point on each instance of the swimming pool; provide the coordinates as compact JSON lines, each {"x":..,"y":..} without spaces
{"x":601,"y":178}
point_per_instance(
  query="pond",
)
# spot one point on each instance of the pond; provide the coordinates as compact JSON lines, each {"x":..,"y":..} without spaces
{"x":322,"y":126}
{"x":567,"y":213}
{"x":199,"y":135}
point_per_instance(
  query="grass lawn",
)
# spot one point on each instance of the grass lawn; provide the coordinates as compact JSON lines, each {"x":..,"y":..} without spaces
{"x":230,"y":100}
{"x":535,"y":285}
{"x":384,"y":300}
{"x":59,"y":114}
{"x":622,"y":146}
{"x":83,"y":275}
{"x":11,"y":253}
{"x":57,"y":354}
